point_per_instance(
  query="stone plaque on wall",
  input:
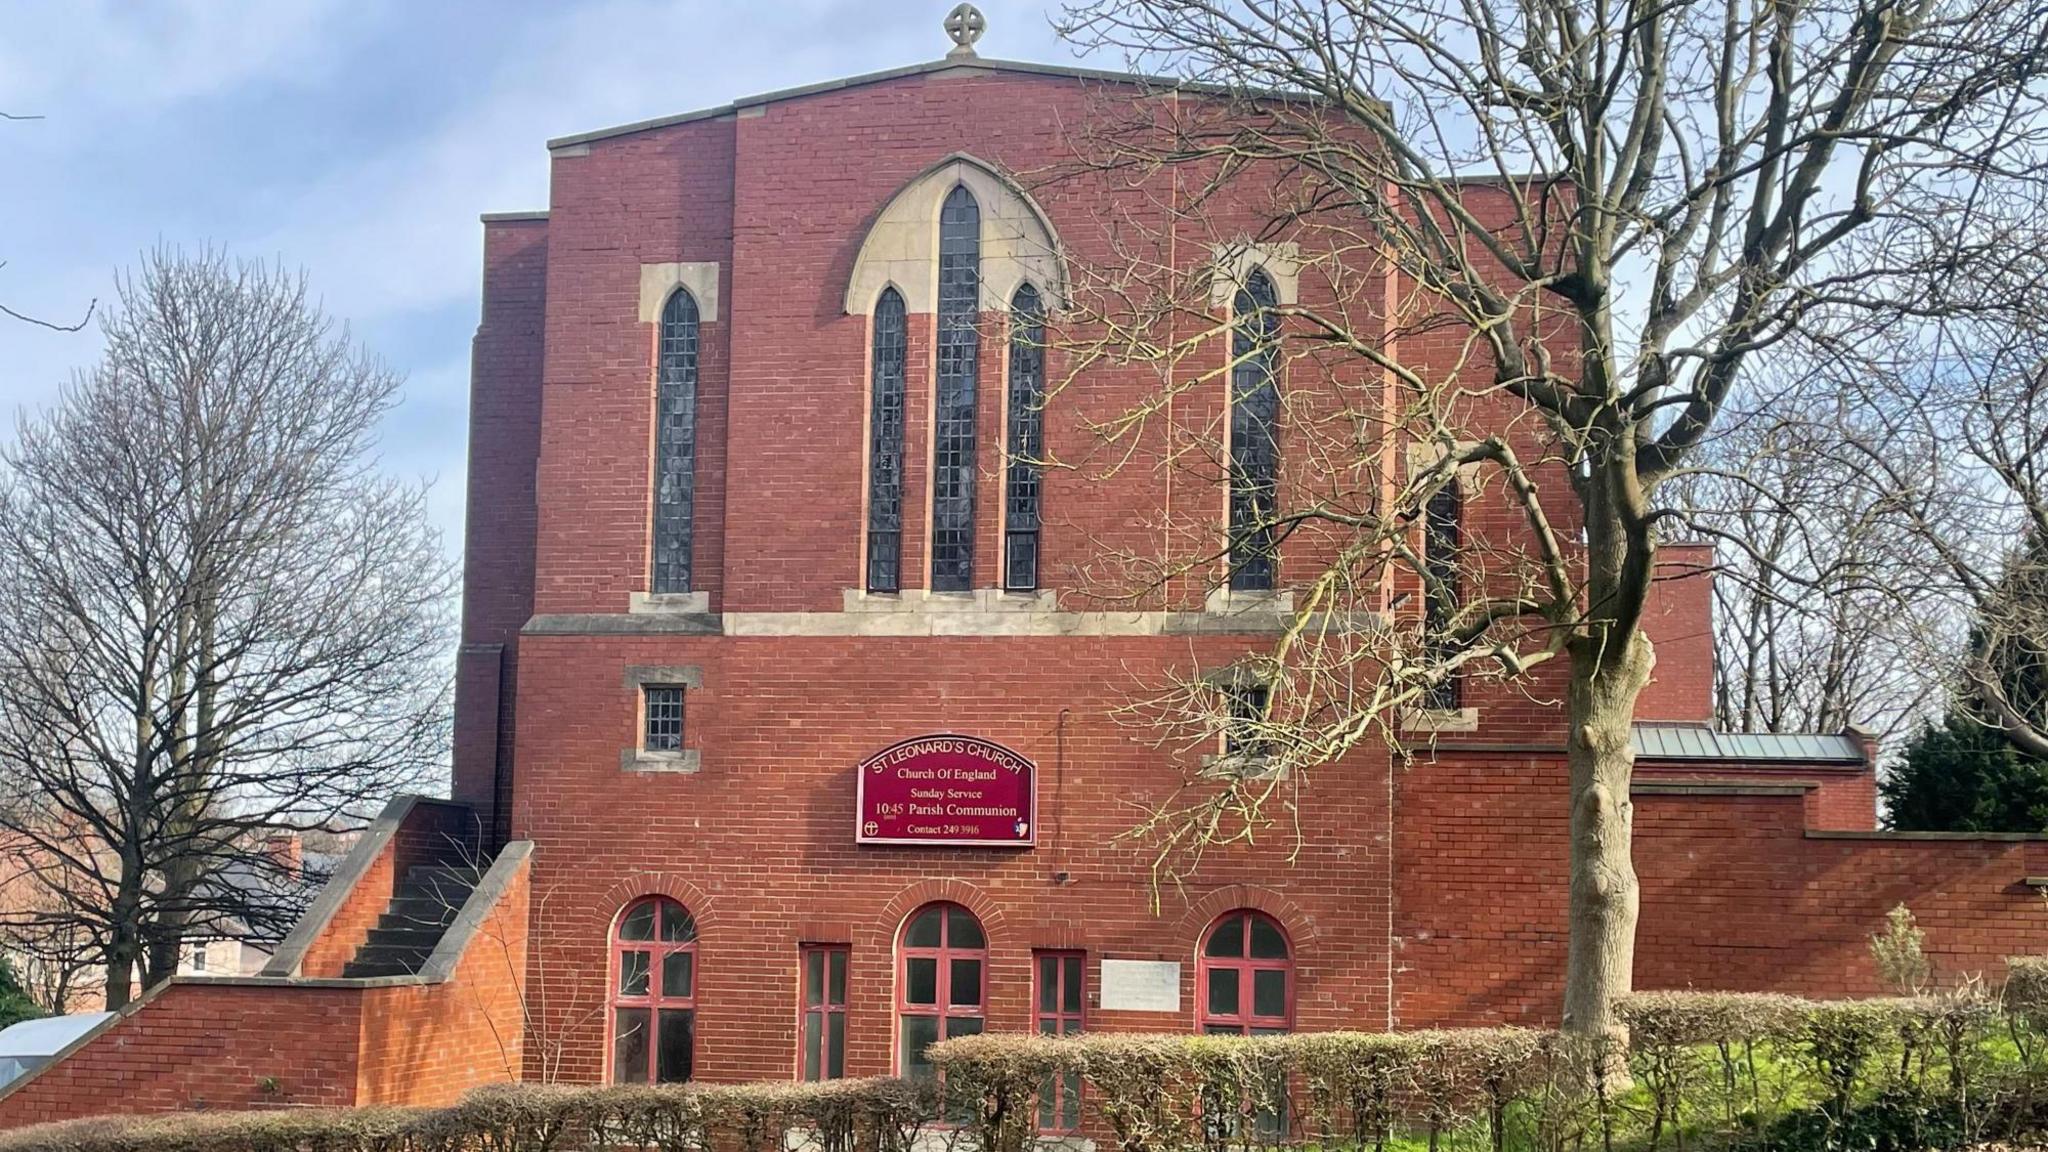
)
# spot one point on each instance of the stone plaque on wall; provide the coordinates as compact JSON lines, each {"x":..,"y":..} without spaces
{"x":1140,"y":986}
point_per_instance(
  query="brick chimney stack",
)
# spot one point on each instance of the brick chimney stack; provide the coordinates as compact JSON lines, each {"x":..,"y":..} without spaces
{"x":288,"y":850}
{"x":1679,"y":620}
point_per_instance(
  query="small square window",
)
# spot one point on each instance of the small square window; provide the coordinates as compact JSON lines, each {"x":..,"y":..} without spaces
{"x":1241,"y":735}
{"x":663,"y":708}
{"x":199,"y":958}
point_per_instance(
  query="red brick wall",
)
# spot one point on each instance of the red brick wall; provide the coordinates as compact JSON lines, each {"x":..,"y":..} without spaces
{"x":759,"y":843}
{"x":1679,"y":620}
{"x":498,"y":535}
{"x":1736,"y":894}
{"x":652,"y":198}
{"x":1430,"y":895}
{"x":351,"y":923}
{"x":430,"y":833}
{"x":204,"y":1045}
{"x":429,"y":1043}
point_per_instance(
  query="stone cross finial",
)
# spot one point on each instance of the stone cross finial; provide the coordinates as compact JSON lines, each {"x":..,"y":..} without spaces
{"x":964,"y":24}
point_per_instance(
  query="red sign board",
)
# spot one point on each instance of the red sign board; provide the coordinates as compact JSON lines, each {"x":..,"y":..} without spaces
{"x":947,"y":790}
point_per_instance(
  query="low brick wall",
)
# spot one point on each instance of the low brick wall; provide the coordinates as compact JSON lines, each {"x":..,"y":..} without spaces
{"x":428,"y":1044}
{"x":276,"y":1041}
{"x":201,"y":1045}
{"x":1740,"y":891}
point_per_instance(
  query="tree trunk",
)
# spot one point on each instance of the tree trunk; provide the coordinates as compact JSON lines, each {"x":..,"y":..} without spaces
{"x":1600,"y":754}
{"x":121,"y":957}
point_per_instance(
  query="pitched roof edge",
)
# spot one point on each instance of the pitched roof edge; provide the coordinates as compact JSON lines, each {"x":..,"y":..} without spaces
{"x":965,"y":64}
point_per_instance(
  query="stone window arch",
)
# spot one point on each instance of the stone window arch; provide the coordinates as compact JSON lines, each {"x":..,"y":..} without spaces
{"x":901,"y":247}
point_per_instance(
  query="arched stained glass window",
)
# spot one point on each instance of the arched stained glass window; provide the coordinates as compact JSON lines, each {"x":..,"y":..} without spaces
{"x":1026,"y":419}
{"x":1442,"y":526}
{"x":953,"y":417}
{"x":885,"y":446}
{"x":654,"y":993}
{"x":941,"y":982}
{"x":1254,"y":440}
{"x":675,"y":444}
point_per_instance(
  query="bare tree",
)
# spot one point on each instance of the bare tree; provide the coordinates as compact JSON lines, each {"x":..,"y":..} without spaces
{"x":1960,"y":461}
{"x":218,"y":622}
{"x":1810,"y":631}
{"x":1598,"y":218}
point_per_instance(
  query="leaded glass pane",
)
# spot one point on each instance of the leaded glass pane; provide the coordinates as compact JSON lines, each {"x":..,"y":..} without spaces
{"x":1244,"y":736}
{"x":639,"y":922}
{"x":921,"y":980}
{"x":1267,"y":942}
{"x":675,"y":444}
{"x":924,"y":931}
{"x":1223,"y":992}
{"x":885,"y":447}
{"x":632,"y":973}
{"x":629,"y":1046}
{"x":1442,"y":524}
{"x":1026,"y":440}
{"x":1254,"y":443}
{"x":677,"y":970}
{"x":919,"y":1033}
{"x":962,"y":929}
{"x":964,"y":982}
{"x":1269,"y":992}
{"x":1228,"y":938}
{"x":677,"y":925}
{"x":953,"y":420}
{"x":664,"y":710}
{"x":674,"y":1056}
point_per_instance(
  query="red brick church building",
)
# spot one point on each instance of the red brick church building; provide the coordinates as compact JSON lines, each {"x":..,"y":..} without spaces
{"x":785,"y":733}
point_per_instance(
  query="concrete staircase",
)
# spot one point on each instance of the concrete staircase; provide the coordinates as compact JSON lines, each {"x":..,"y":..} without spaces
{"x":423,"y":903}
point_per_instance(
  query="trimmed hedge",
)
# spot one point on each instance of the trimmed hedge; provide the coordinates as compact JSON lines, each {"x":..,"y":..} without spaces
{"x":1702,"y":1069}
{"x":876,"y":1115}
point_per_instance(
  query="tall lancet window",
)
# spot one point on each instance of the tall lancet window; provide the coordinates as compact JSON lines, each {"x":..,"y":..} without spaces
{"x":885,"y":447}
{"x":1026,"y":440}
{"x":1442,"y":526}
{"x":675,"y":444}
{"x":954,"y":407}
{"x":1254,"y":443}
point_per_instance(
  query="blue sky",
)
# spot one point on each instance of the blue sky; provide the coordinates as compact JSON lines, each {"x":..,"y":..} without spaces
{"x":359,"y":139}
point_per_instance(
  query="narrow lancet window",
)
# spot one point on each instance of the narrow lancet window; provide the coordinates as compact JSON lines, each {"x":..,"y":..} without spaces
{"x":1254,"y":443}
{"x":885,"y":447}
{"x":953,"y":417}
{"x":1026,"y":441}
{"x":1442,"y":526}
{"x":675,"y":444}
